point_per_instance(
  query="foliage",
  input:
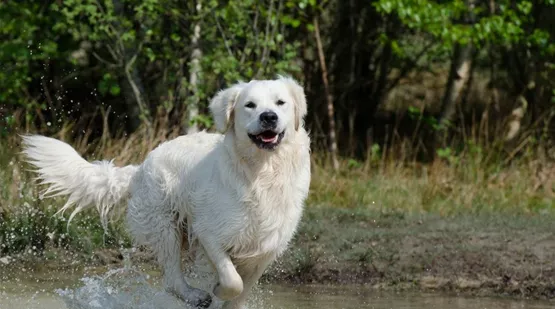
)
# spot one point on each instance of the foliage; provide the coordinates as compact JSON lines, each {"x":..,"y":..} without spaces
{"x":455,"y":22}
{"x":116,"y":63}
{"x":27,"y":44}
{"x":101,"y":41}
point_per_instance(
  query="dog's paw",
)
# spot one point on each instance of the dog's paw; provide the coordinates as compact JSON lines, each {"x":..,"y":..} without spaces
{"x":198,"y":298}
{"x":201,"y":301}
{"x":195,"y":298}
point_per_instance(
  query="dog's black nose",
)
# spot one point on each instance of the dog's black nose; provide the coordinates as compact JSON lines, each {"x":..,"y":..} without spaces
{"x":268,"y":118}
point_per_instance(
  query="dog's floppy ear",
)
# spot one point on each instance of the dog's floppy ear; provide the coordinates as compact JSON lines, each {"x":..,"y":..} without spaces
{"x":300,"y":100}
{"x":221,"y":106}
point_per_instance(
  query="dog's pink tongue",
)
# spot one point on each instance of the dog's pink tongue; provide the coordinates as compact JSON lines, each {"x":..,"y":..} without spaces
{"x":268,"y":139}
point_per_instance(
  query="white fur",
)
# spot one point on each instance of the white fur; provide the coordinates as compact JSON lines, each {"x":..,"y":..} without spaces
{"x":99,"y":183}
{"x":238,"y":203}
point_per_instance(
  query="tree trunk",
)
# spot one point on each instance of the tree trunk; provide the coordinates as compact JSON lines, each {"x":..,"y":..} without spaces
{"x":329,"y":98}
{"x":515,"y":120}
{"x":458,"y":76}
{"x":193,"y":106}
{"x":354,"y":63}
{"x":367,"y":109}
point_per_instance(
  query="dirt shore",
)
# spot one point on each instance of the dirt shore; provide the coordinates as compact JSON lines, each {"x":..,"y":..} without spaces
{"x":482,"y":254}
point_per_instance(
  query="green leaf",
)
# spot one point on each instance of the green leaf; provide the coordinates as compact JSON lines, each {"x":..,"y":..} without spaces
{"x":115,"y":90}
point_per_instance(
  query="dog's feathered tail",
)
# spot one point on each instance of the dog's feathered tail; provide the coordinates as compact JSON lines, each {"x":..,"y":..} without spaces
{"x":99,"y":183}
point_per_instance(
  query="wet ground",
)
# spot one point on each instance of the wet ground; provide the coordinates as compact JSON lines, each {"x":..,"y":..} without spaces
{"x":134,"y":290}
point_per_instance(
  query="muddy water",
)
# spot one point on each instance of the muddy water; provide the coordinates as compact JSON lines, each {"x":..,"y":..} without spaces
{"x":134,"y":292}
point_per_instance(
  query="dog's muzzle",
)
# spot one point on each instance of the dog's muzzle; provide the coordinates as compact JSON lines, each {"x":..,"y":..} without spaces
{"x":269,"y":138}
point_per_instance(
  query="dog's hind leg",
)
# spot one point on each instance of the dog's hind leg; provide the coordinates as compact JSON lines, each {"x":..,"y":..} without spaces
{"x":166,"y":242}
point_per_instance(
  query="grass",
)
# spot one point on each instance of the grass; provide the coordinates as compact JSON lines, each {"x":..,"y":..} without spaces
{"x":459,"y":223}
{"x":441,"y":187}
{"x":456,"y":185}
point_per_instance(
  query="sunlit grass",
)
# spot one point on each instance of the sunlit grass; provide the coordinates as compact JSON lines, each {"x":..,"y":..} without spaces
{"x":441,"y":187}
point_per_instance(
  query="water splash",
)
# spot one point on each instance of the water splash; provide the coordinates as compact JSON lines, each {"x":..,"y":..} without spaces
{"x":119,"y":289}
{"x":129,"y":288}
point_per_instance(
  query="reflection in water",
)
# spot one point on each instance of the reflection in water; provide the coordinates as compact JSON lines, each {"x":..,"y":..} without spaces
{"x":131,"y":289}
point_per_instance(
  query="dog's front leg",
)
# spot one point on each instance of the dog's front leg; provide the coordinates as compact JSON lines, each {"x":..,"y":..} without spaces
{"x":250,"y":270}
{"x":230,"y":284}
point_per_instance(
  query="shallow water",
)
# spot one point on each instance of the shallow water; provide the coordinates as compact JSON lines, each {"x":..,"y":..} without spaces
{"x":124,"y":288}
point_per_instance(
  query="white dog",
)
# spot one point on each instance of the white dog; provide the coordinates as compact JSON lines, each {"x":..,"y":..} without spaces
{"x":238,"y":195}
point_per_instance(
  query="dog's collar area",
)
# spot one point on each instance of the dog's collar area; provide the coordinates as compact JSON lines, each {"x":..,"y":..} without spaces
{"x":267,"y":140}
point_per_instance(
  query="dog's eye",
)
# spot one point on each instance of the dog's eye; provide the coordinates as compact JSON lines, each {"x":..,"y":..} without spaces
{"x":280,"y":102}
{"x":250,"y":105}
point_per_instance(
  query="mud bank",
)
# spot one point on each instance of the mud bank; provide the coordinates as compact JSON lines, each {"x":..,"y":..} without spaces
{"x":485,"y":254}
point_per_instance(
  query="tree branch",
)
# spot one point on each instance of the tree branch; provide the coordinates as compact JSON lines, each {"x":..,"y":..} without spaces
{"x":265,"y":51}
{"x":136,"y":92}
{"x":329,"y":98}
{"x":223,"y":35}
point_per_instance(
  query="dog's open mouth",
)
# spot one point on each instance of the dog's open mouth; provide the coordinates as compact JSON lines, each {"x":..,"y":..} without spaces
{"x":267,"y":139}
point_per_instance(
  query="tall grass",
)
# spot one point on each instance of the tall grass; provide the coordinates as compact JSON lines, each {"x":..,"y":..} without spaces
{"x":466,"y":182}
{"x":441,"y":187}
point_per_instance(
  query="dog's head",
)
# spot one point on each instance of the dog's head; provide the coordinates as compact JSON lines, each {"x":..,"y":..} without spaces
{"x":266,"y":112}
